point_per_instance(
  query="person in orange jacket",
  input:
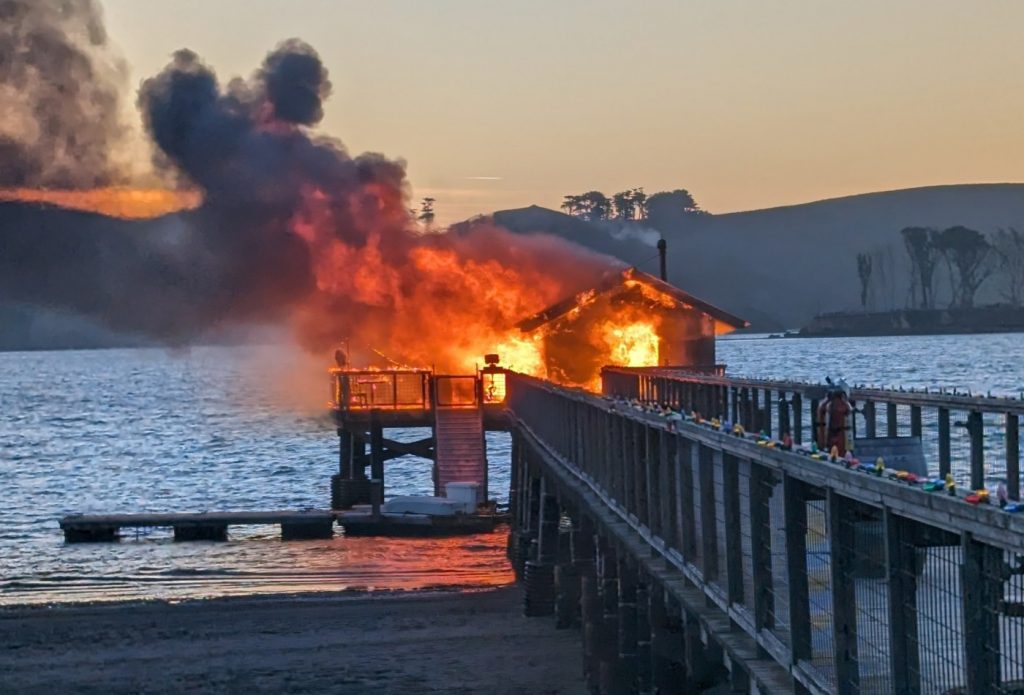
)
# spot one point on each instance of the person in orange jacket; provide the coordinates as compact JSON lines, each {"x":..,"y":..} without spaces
{"x":833,"y":420}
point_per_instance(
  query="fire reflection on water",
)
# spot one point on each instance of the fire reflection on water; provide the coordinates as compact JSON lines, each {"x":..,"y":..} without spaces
{"x":177,"y":571}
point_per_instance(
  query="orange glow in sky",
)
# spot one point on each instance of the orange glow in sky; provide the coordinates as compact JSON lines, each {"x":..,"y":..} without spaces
{"x":746,"y":104}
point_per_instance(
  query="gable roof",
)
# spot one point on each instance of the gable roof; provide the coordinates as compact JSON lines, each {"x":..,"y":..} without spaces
{"x":684,"y":300}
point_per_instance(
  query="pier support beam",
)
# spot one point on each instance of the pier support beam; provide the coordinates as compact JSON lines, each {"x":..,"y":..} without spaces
{"x":567,"y":581}
{"x":606,"y":642}
{"x":307,"y":530}
{"x":92,"y":534}
{"x":590,"y":616}
{"x":540,"y":571}
{"x":201,"y":532}
{"x":668,"y":672}
{"x":626,"y":673}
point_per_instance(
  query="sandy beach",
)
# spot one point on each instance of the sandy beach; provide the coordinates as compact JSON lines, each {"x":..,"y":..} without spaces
{"x":341,"y":643}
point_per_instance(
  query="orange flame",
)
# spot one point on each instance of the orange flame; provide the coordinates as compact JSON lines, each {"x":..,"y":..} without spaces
{"x":126,"y":203}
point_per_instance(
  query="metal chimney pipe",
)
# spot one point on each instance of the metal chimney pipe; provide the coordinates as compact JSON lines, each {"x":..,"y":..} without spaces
{"x":661,"y":259}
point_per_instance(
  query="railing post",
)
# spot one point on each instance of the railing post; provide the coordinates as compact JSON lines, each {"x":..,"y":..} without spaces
{"x":666,"y":488}
{"x":783,"y":427}
{"x":767,"y":417}
{"x":982,"y":593}
{"x":685,"y":493}
{"x":844,"y":595}
{"x":626,"y":461}
{"x":870,"y":420}
{"x":976,"y":430}
{"x":760,"y":547}
{"x":653,"y":476}
{"x":901,"y":573}
{"x":891,"y":422}
{"x":798,"y":418}
{"x":915,"y":421}
{"x":733,"y":535}
{"x":1013,"y":456}
{"x":795,"y":522}
{"x":944,"y":450}
{"x":642,"y":462}
{"x":814,"y":419}
{"x":709,"y":529}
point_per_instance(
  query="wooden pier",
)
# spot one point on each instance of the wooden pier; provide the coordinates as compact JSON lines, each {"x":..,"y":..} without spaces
{"x":206,"y":526}
{"x":692,"y":558}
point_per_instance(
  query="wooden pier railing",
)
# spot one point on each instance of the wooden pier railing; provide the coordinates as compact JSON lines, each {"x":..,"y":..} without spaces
{"x":692,"y":558}
{"x":974,"y":437}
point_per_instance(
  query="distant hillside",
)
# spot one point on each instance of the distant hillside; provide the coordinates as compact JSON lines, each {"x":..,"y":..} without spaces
{"x":779,"y":267}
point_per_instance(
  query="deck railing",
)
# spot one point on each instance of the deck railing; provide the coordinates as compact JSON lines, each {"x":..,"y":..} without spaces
{"x":851,"y":582}
{"x":380,"y":389}
{"x":976,"y":438}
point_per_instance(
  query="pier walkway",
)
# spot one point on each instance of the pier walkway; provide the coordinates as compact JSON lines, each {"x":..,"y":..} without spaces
{"x":692,"y":558}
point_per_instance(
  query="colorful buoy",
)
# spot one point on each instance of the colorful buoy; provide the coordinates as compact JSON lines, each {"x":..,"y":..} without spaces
{"x":977,"y":497}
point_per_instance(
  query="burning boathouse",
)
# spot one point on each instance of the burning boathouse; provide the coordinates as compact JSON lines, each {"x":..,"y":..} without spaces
{"x":630,"y":319}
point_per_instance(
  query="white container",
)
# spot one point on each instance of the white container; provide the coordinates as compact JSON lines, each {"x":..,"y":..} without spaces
{"x":466,"y":494}
{"x":417,"y":504}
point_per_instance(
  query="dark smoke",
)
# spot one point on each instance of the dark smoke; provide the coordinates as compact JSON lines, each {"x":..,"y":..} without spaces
{"x":60,"y":95}
{"x":291,"y":226}
{"x":250,"y":151}
{"x":296,"y":83}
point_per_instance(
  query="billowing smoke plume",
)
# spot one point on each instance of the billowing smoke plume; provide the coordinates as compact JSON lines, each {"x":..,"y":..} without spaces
{"x":60,"y":89}
{"x":293,"y":227}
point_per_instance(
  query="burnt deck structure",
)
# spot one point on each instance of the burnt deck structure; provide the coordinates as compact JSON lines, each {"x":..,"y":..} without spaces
{"x":691,"y":558}
{"x":457,"y":410}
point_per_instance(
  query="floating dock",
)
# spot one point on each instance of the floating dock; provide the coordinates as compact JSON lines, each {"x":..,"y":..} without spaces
{"x":295,"y":525}
{"x":199,"y":526}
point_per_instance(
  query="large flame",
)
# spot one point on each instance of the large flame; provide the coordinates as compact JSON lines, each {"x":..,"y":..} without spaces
{"x":632,"y":344}
{"x":127,"y":203}
{"x":426,"y":300}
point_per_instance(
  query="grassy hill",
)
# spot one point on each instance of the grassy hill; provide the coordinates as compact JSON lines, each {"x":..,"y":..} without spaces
{"x":779,"y":267}
{"x":776,"y":267}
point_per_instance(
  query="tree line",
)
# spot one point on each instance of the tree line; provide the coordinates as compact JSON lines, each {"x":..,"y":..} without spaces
{"x":968,"y":257}
{"x":632,"y":205}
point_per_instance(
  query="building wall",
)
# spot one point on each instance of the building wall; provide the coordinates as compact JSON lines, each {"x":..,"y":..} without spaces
{"x":687,"y":339}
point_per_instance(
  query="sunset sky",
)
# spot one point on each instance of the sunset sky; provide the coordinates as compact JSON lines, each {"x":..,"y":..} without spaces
{"x":747,"y":104}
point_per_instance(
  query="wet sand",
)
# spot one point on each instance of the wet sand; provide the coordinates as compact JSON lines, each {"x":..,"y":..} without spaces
{"x":340,"y":643}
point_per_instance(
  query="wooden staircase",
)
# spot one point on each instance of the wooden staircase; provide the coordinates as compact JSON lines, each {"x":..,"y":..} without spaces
{"x":459,"y":448}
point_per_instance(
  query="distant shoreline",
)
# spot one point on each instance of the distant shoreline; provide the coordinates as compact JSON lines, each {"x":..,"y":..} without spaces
{"x":914,"y":322}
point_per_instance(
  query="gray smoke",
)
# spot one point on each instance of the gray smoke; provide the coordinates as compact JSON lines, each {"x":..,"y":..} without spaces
{"x":60,"y":93}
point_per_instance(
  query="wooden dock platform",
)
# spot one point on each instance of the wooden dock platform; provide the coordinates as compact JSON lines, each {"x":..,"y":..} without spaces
{"x":295,"y":525}
{"x":212,"y":526}
{"x":362,"y":522}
